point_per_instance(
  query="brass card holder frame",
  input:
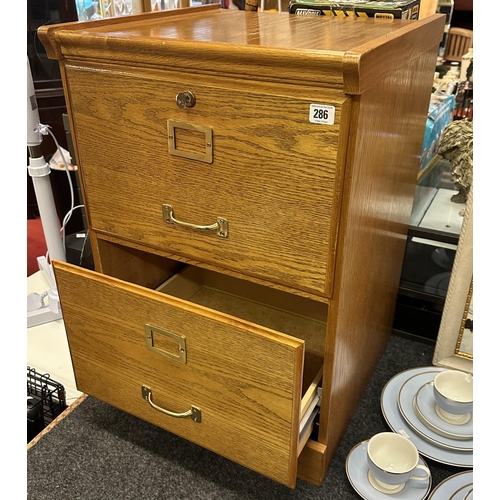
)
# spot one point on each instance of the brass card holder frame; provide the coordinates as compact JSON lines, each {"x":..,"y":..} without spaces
{"x":207,"y":157}
{"x":179,"y":354}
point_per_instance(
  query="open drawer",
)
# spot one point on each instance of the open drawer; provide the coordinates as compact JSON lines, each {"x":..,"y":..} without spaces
{"x":227,"y":364}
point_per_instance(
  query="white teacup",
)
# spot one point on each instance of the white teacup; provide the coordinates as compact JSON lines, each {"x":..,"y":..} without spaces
{"x":393,"y":460}
{"x":454,"y":396}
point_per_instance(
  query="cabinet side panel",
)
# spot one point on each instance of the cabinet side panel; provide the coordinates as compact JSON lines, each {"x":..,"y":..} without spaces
{"x":134,"y":266}
{"x":382,"y":166}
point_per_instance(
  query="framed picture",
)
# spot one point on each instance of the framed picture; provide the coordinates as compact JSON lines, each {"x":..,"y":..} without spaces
{"x":454,"y":346}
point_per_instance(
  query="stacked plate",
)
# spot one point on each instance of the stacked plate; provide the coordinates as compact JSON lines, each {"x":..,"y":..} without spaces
{"x":408,"y":406}
{"x":456,"y":487}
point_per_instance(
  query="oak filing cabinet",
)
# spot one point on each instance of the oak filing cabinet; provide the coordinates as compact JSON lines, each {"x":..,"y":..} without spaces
{"x":248,"y":179}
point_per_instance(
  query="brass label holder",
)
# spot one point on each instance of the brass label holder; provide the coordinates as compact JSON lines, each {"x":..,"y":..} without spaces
{"x":178,"y":351}
{"x":206,"y":157}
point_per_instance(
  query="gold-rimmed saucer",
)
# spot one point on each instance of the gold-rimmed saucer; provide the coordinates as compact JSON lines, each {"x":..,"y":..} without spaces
{"x":425,"y":410}
{"x":406,"y":407}
{"x":357,"y":471}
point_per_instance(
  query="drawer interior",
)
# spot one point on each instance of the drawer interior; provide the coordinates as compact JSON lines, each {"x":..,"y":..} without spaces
{"x":284,"y":312}
{"x":289,"y":314}
{"x":292,"y":315}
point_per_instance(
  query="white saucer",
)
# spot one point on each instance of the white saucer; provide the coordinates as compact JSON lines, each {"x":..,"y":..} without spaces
{"x":456,"y":487}
{"x":393,"y":417}
{"x":406,"y":397}
{"x":425,"y":409}
{"x":356,"y":467}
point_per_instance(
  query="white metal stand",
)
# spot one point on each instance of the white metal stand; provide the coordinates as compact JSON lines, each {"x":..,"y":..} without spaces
{"x":51,"y":311}
{"x":39,"y":171}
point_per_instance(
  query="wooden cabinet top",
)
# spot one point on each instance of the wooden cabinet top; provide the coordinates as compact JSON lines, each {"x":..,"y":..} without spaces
{"x":347,"y":53}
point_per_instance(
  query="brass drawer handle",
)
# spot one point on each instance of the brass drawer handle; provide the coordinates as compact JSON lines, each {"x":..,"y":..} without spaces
{"x":220,"y":227}
{"x":194,"y":413}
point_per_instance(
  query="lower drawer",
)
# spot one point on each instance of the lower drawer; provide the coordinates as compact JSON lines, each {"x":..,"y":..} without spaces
{"x":230,"y":365}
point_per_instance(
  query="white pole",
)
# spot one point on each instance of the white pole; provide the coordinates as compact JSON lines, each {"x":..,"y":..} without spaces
{"x":39,"y":171}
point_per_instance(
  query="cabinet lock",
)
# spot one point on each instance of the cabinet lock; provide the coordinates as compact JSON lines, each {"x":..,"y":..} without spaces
{"x":185,"y":99}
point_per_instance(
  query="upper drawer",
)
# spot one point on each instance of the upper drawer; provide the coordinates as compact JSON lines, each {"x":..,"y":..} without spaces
{"x":256,"y":160}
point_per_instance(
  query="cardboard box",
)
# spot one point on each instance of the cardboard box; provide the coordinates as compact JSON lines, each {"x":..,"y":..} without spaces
{"x":404,"y":9}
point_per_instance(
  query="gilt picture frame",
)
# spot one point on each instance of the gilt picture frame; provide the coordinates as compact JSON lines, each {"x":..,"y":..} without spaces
{"x":455,"y":337}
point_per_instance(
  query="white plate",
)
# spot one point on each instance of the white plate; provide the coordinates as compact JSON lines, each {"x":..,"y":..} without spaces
{"x":464,"y":493}
{"x":425,"y":411}
{"x":356,"y":467}
{"x":406,"y":397}
{"x":456,"y":487}
{"x":397,"y":423}
{"x":469,"y":495}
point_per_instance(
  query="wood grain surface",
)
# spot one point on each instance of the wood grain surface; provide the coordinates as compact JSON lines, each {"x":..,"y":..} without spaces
{"x":245,"y":379}
{"x":383,"y":162}
{"x":348,"y":54}
{"x":53,"y":49}
{"x":317,"y":210}
{"x":103,"y":241}
{"x":281,"y":207}
{"x":371,"y":61}
{"x":128,"y":264}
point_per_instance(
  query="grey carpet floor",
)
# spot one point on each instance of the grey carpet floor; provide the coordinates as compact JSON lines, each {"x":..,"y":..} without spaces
{"x":101,"y":453}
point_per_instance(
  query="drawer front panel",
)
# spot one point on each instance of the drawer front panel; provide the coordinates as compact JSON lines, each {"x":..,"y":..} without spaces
{"x":252,"y":159}
{"x":244,"y":380}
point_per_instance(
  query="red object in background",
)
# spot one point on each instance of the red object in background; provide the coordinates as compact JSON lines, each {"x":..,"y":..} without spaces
{"x":36,"y":246}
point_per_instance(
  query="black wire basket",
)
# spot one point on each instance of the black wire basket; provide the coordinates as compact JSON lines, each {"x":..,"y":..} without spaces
{"x":46,"y":400}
